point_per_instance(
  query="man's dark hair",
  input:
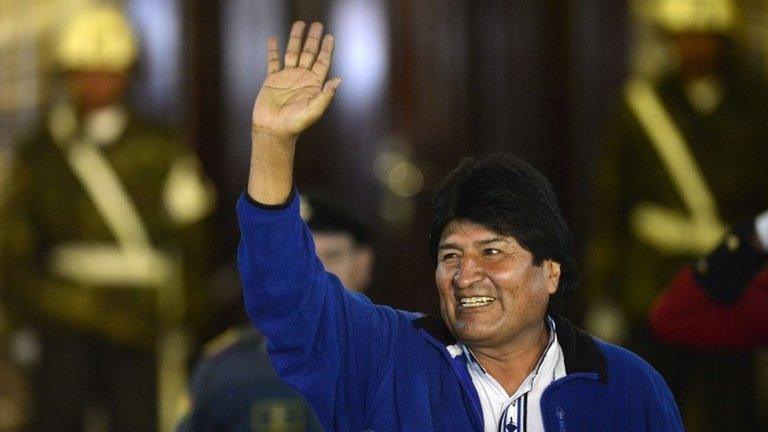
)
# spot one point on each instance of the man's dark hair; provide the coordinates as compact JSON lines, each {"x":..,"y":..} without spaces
{"x":324,"y":213}
{"x":507,"y":195}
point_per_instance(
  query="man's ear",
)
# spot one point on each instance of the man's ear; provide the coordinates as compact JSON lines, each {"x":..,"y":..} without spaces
{"x":553,"y":275}
{"x":363,"y":266}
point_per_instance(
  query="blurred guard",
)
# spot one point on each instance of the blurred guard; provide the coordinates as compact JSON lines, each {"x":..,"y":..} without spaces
{"x":103,"y":240}
{"x":685,"y":156}
{"x":234,"y":387}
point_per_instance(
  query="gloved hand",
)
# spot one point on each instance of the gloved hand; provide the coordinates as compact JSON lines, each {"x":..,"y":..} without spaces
{"x":761,"y":230}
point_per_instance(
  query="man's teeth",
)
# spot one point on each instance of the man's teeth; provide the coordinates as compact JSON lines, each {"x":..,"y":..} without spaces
{"x":475,"y":301}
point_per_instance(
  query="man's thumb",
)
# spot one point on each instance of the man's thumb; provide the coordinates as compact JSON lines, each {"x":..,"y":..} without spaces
{"x":331,"y":85}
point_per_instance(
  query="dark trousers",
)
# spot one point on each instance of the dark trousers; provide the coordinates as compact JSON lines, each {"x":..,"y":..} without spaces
{"x":80,"y":374}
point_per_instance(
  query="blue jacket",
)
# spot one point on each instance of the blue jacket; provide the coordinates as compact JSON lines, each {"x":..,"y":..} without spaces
{"x":366,"y":367}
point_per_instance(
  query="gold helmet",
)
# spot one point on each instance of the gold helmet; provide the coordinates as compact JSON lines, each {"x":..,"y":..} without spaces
{"x":696,"y":16}
{"x":97,"y":39}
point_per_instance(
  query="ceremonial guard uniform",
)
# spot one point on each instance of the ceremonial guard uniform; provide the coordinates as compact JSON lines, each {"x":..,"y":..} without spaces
{"x":683,"y":159}
{"x":649,"y":227}
{"x":103,"y":243}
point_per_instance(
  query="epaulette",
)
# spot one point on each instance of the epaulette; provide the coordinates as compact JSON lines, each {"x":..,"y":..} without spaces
{"x":223,"y":341}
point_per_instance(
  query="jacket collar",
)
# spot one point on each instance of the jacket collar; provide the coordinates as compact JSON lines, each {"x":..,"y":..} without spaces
{"x":580,"y":351}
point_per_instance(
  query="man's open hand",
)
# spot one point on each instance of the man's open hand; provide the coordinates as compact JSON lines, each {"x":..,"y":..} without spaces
{"x":293,"y":97}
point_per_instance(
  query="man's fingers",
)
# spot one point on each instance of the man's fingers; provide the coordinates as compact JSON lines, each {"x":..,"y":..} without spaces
{"x":273,"y":56}
{"x":322,"y":100}
{"x":323,"y":62}
{"x":311,"y":45}
{"x":293,"y":49}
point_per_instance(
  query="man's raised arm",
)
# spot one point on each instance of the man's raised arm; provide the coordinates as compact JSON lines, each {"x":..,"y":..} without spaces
{"x":322,"y":339}
{"x":291,"y":99}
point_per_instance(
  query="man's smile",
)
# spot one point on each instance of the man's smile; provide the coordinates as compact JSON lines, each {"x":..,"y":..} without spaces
{"x":474,"y":302}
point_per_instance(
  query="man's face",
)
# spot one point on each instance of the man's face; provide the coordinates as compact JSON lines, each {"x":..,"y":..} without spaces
{"x":490,"y":291}
{"x":341,"y":256}
{"x":92,"y":90}
{"x":700,"y":54}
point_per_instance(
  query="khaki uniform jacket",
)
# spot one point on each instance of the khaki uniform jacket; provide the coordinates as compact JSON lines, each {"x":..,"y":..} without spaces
{"x":730,"y":149}
{"x":57,"y":250}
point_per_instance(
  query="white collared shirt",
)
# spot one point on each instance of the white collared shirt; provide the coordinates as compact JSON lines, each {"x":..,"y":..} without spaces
{"x":520,"y":412}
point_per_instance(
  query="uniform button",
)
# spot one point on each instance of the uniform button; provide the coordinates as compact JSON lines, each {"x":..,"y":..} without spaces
{"x":702,"y":266}
{"x":732,"y":242}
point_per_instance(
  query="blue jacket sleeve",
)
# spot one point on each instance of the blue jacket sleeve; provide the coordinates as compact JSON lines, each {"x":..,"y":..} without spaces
{"x":328,"y":343}
{"x":650,"y":406}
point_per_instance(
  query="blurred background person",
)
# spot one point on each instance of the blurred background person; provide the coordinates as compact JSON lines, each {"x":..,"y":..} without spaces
{"x":721,"y":301}
{"x":234,"y":387}
{"x":104,"y":241}
{"x":683,"y":158}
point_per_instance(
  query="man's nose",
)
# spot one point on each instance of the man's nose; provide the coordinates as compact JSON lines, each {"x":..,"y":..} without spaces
{"x":468,"y":272}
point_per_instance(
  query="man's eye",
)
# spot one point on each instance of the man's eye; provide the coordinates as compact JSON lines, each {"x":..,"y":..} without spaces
{"x":491,"y":251}
{"x":448,"y":256}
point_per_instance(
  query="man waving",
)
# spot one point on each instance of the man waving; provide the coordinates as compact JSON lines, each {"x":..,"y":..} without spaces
{"x":500,"y":359}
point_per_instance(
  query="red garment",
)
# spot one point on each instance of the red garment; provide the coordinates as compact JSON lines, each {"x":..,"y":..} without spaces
{"x":685,"y":315}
